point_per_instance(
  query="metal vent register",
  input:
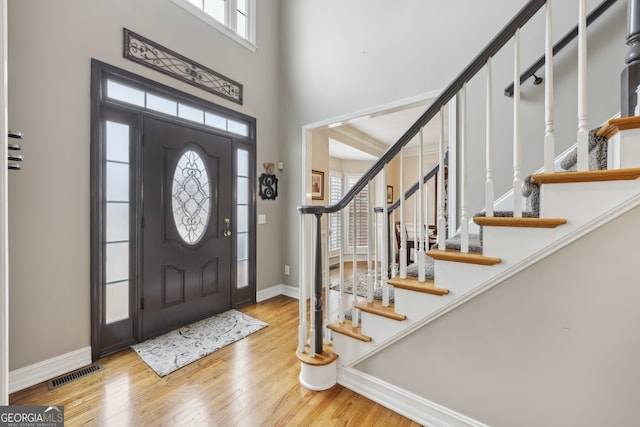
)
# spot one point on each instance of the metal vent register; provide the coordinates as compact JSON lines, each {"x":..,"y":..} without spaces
{"x":74,"y":375}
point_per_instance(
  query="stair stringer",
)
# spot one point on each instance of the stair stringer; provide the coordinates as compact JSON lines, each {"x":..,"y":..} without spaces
{"x":625,"y":198}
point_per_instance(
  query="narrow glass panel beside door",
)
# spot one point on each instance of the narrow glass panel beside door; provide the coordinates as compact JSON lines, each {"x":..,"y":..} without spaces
{"x":116,"y":208}
{"x":242,"y":219}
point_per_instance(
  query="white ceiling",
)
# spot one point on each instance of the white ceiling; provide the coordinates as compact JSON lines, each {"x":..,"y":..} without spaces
{"x":387,"y":128}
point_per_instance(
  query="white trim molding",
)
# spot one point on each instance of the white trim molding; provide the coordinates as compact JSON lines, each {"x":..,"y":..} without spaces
{"x":274,"y":291}
{"x":4,"y":238}
{"x":412,"y":406}
{"x":47,"y":369}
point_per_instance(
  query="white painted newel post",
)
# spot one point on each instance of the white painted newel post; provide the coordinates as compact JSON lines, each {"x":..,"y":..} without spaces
{"x":583,"y":133}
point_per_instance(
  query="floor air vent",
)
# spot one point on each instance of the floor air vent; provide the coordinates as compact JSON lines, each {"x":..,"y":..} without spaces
{"x":78,"y":373}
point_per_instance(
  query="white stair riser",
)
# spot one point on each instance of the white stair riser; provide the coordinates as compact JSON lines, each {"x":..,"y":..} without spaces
{"x":349,"y":348}
{"x":581,"y":202}
{"x":451,"y":275}
{"x":417,"y":305}
{"x":624,"y":150}
{"x":513,"y":244}
{"x":380,"y":328}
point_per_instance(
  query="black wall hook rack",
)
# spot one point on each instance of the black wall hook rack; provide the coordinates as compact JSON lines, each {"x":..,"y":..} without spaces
{"x":12,"y":146}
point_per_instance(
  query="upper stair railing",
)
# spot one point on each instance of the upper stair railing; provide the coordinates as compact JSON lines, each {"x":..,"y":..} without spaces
{"x":376,"y":177}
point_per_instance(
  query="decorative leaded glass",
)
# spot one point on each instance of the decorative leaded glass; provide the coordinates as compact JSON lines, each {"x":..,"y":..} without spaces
{"x":191,"y":197}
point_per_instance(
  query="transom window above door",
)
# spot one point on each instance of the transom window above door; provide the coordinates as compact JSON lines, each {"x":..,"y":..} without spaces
{"x":234,"y":18}
{"x":140,"y":98}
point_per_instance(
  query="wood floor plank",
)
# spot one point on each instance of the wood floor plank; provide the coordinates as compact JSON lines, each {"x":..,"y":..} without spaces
{"x":251,"y":382}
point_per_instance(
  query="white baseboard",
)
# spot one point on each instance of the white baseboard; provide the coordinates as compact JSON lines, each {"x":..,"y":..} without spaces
{"x":412,"y":406}
{"x":276,"y":290}
{"x":47,"y":369}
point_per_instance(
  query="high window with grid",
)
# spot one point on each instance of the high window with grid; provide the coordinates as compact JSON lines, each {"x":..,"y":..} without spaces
{"x":234,"y":18}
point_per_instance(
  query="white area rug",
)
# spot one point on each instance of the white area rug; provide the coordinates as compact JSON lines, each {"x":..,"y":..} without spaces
{"x":173,"y":350}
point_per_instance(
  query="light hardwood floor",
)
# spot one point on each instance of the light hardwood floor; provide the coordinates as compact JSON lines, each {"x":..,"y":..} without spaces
{"x":253,"y":382}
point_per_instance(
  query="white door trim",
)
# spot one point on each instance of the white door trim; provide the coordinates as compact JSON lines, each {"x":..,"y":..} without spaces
{"x":4,"y":228}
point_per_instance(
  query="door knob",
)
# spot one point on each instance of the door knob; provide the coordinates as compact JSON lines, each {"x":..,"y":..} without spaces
{"x":227,"y":227}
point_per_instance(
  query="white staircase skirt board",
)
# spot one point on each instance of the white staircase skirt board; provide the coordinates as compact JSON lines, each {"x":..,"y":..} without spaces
{"x":464,"y":292}
{"x":624,"y":150}
{"x":580,"y":202}
{"x":22,"y":378}
{"x":416,"y":408}
{"x":380,"y":328}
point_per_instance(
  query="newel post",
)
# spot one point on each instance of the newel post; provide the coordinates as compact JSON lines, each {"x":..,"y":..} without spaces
{"x":630,"y":77}
{"x":317,"y":300}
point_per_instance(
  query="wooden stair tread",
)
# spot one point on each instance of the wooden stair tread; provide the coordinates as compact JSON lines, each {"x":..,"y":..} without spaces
{"x":412,"y":284}
{"x":457,"y":256}
{"x":377,"y":308}
{"x":325,"y":358}
{"x":587,"y":176}
{"x":519,"y":222}
{"x":613,"y":126}
{"x":345,"y":328}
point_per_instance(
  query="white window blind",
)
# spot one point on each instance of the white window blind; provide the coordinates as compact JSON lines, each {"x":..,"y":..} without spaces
{"x":359,"y":222}
{"x":335,"y":224}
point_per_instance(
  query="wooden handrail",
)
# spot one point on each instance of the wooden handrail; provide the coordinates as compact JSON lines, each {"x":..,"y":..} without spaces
{"x":562,"y":43}
{"x":494,"y":46}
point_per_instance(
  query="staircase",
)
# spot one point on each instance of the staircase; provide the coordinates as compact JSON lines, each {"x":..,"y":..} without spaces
{"x":572,"y":205}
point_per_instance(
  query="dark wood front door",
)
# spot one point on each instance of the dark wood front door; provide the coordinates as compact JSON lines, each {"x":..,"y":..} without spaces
{"x":187,"y":213}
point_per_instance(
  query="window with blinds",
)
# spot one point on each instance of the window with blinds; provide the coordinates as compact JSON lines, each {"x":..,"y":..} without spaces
{"x":358,"y":221}
{"x":335,"y":225}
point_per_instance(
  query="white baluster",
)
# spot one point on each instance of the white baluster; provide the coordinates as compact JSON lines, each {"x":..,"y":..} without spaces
{"x":385,"y":248}
{"x":354,"y":264}
{"x":403,"y":234}
{"x":583,"y":134}
{"x":302,"y":321}
{"x":517,"y":180}
{"x":489,"y":186}
{"x":394,"y":270}
{"x":419,"y":231}
{"x":464,"y":223}
{"x":442,"y":210}
{"x":370,"y":239}
{"x":549,"y":137}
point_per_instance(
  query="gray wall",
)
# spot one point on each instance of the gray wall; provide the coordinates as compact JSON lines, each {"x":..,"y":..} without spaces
{"x":340,"y":57}
{"x":50,"y":47}
{"x":555,"y":345}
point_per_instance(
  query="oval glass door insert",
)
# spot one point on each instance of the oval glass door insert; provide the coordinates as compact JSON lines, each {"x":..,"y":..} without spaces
{"x":191,"y":197}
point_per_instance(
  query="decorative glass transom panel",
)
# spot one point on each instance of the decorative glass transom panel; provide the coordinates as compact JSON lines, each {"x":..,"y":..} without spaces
{"x":191,"y":197}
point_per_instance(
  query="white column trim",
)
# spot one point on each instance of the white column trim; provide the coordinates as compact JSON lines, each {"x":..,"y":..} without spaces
{"x":4,"y":228}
